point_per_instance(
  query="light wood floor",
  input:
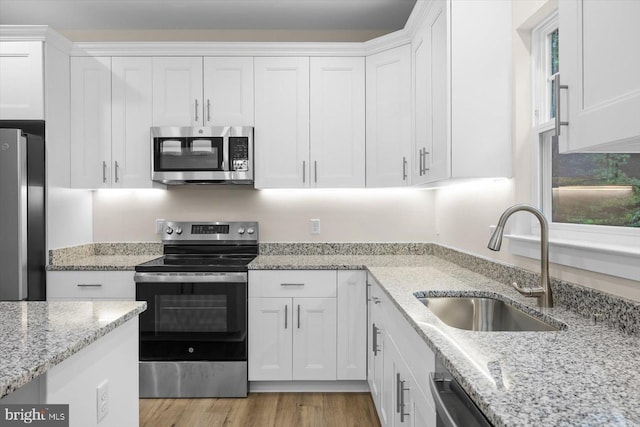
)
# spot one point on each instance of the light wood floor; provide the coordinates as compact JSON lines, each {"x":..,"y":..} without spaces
{"x":263,"y":410}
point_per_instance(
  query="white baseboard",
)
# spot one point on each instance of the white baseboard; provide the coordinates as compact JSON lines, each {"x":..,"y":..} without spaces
{"x":309,"y":386}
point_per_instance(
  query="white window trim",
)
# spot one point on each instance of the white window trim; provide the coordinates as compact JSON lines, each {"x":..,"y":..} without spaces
{"x":610,"y":250}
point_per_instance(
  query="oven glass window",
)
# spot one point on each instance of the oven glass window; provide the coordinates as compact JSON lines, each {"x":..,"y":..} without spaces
{"x":188,"y":154}
{"x":191,"y":313}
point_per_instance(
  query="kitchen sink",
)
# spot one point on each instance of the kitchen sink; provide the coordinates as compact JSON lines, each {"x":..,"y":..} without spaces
{"x":483,"y":314}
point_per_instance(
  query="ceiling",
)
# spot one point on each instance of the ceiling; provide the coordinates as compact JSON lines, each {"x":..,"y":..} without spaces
{"x":179,"y":15}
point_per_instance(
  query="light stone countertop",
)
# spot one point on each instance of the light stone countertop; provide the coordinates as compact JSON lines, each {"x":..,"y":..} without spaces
{"x":587,"y":374}
{"x":37,"y":335}
{"x":101,"y":263}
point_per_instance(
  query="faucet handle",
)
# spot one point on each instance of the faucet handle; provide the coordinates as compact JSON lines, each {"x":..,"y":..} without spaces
{"x":528,"y":292}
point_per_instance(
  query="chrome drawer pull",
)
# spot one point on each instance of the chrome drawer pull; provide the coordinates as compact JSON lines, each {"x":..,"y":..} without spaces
{"x":291,"y":284}
{"x":89,"y":285}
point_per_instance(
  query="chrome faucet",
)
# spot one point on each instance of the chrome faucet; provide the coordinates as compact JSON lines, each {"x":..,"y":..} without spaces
{"x":543,"y":292}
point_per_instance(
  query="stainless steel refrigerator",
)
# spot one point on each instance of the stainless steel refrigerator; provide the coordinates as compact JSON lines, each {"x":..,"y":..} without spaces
{"x":22,"y":211}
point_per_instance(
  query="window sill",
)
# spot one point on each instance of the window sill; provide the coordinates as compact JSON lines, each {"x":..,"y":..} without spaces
{"x":614,"y":260}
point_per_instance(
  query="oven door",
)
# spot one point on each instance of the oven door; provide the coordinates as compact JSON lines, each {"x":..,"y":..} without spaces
{"x":196,"y":316}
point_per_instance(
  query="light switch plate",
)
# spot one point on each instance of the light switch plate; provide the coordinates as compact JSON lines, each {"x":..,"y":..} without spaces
{"x":159,"y":226}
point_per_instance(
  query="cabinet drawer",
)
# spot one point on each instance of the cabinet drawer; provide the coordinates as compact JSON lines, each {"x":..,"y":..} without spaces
{"x":88,"y":285}
{"x":293,"y":283}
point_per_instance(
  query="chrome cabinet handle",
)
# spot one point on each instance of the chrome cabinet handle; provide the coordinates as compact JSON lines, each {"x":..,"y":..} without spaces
{"x":208,"y":110}
{"x":368,"y":291}
{"x":89,"y":285}
{"x":424,"y":162}
{"x":298,"y":316}
{"x":398,"y":393}
{"x":285,"y":315}
{"x":374,"y":339}
{"x":304,"y":171}
{"x":104,"y":172}
{"x":376,"y":300}
{"x":197,"y":110}
{"x":402,"y":389}
{"x":315,"y":171}
{"x":291,"y":284}
{"x":117,"y":166}
{"x":559,"y":122}
{"x":404,"y":168}
{"x":421,"y":158}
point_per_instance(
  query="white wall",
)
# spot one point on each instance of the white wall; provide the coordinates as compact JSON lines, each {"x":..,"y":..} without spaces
{"x":346,"y":215}
{"x":463,"y":214}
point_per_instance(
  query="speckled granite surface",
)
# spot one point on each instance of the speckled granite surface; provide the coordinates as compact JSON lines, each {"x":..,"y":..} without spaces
{"x":365,"y":248}
{"x":103,"y":256}
{"x":37,"y":335}
{"x":587,"y":374}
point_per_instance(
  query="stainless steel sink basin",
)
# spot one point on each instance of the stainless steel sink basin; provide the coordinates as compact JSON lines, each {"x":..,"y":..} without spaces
{"x":483,"y":314}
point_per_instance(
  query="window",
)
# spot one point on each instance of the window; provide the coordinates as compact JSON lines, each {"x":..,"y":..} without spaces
{"x":592,"y":200}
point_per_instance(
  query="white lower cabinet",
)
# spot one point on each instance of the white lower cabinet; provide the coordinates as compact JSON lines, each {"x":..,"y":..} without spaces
{"x":399,"y":366}
{"x":294,"y":333}
{"x":90,"y":285}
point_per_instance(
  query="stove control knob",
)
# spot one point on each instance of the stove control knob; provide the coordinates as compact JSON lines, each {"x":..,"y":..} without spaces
{"x":178,"y":230}
{"x":250,"y":230}
{"x":169,"y":230}
{"x":190,"y":349}
{"x":241,"y":230}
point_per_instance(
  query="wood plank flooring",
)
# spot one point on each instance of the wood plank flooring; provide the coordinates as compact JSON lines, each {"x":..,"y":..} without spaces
{"x":263,"y":410}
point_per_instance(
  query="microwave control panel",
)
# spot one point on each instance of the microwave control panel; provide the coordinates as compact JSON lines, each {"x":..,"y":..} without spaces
{"x":239,"y":153}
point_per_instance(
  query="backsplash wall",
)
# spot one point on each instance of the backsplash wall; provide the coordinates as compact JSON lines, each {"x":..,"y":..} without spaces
{"x":368,"y":215}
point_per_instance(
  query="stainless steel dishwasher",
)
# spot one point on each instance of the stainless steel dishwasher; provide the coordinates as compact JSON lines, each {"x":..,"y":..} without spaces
{"x":454,"y":408}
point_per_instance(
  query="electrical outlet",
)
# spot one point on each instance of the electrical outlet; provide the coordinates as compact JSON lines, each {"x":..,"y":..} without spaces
{"x":159,"y":226}
{"x":315,"y":226}
{"x":102,"y":399}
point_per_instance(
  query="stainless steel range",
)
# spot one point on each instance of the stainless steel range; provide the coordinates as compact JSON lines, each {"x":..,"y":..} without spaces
{"x":193,"y":336}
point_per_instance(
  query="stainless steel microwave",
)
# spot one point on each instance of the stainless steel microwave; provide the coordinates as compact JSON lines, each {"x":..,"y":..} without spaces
{"x":202,"y":155}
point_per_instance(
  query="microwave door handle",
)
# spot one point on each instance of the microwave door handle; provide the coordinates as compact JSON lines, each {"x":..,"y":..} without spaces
{"x":226,"y":164}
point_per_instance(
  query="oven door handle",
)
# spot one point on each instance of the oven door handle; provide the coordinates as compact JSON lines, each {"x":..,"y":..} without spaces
{"x":190,"y":277}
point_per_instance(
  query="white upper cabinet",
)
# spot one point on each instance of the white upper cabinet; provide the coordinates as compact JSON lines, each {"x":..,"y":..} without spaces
{"x":388,"y":101}
{"x":131,"y":119}
{"x":90,"y":122}
{"x":462,"y":91}
{"x":196,"y":91}
{"x":600,"y":64}
{"x":337,"y":123}
{"x":431,"y":136}
{"x":228,"y":91}
{"x":110,"y":121}
{"x":177,"y":91}
{"x":21,"y":81}
{"x":282,"y":122}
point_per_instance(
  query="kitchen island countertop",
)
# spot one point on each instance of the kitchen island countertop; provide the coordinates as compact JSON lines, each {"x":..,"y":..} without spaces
{"x":37,"y":335}
{"x":585,"y":374}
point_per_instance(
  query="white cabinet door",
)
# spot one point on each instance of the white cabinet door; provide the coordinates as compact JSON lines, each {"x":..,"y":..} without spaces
{"x":352,"y":325}
{"x":600,"y":63}
{"x":430,"y":152}
{"x":131,"y":80}
{"x":270,"y":339}
{"x":282,"y":122}
{"x":90,"y":122}
{"x":337,"y":122}
{"x":314,"y":339}
{"x":388,"y":92}
{"x":177,"y":91}
{"x":21,"y":81}
{"x":228,"y":91}
{"x":376,"y":350}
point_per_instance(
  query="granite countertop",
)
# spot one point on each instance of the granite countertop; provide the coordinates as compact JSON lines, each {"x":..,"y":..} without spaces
{"x":103,"y":256}
{"x":37,"y":335}
{"x":586,"y":374}
{"x":101,"y":262}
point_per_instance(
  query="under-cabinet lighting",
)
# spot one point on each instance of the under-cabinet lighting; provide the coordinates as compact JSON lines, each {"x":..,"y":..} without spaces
{"x":141,"y":193}
{"x":594,"y":188}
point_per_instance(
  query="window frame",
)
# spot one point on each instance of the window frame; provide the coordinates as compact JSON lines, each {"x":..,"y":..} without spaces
{"x":604,"y":249}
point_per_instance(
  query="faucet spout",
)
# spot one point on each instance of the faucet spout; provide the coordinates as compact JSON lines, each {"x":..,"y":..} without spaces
{"x":545,"y":297}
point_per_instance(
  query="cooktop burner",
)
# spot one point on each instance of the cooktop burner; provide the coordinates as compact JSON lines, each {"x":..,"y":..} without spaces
{"x":187,"y":263}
